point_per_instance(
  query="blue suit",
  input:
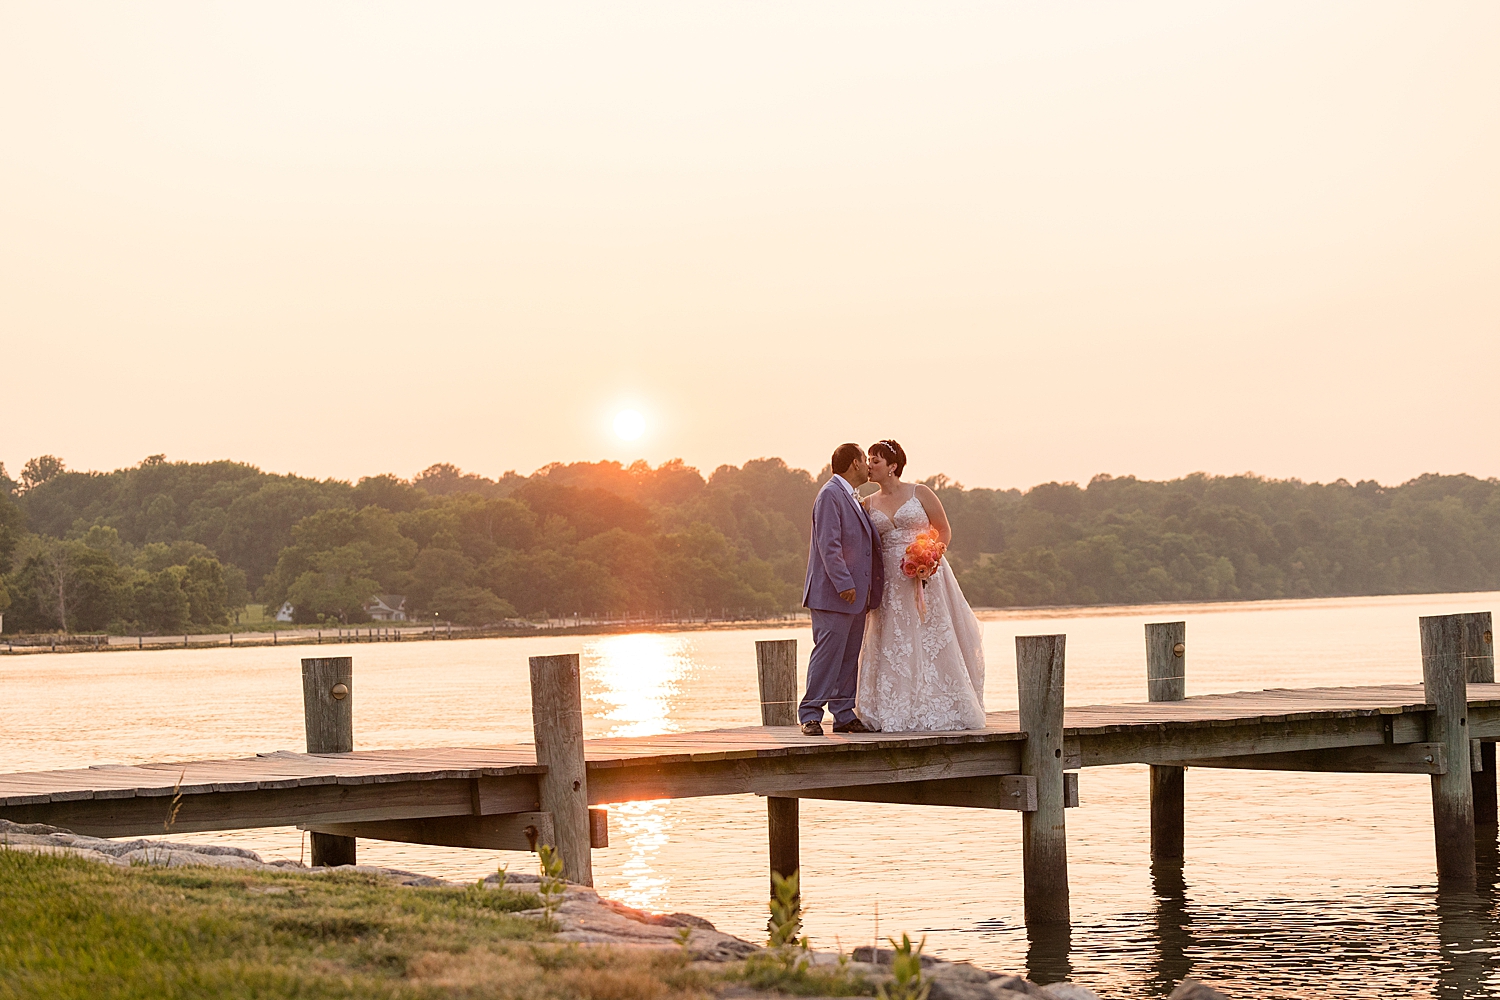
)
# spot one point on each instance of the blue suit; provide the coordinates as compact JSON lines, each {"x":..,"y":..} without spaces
{"x":844,"y":555}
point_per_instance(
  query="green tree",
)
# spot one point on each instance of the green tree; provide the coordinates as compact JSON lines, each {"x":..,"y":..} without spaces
{"x":206,"y":590}
{"x":395,"y":495}
{"x":438,"y":570}
{"x":39,"y":470}
{"x":160,"y":602}
{"x":341,"y":545}
{"x":336,"y":593}
{"x":12,"y":527}
{"x":469,"y":606}
{"x":69,"y":586}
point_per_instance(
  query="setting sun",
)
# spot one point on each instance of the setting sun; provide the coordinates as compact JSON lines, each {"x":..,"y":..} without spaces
{"x":629,"y":424}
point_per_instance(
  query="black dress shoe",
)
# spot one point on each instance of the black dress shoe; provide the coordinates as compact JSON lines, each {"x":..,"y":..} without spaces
{"x":812,"y":729}
{"x":854,"y":726}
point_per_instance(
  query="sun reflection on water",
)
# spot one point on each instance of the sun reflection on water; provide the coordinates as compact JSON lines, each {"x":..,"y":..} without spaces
{"x":634,"y":682}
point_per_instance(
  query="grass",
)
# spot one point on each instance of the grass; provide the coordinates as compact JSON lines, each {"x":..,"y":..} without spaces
{"x":71,"y":928}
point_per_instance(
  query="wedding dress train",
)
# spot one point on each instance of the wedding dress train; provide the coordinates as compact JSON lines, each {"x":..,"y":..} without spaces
{"x":917,"y":674}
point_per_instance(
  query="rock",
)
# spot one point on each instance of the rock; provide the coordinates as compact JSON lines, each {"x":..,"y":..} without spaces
{"x":1016,"y":985}
{"x":585,"y":918}
{"x":660,"y":919}
{"x":883,"y":956}
{"x":960,"y":971}
{"x":42,"y":839}
{"x":1068,"y":991}
{"x":1189,"y":989}
{"x":962,"y":981}
{"x":495,"y":881}
{"x":944,"y":988}
{"x":172,"y":856}
{"x":77,"y":852}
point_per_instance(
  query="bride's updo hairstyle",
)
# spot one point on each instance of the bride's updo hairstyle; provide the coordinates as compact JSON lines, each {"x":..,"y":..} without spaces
{"x":891,"y":452}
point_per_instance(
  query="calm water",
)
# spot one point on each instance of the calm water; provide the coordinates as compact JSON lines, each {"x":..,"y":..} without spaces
{"x":1294,"y":885}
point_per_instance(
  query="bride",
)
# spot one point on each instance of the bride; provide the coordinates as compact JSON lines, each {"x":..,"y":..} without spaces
{"x":915,"y":671}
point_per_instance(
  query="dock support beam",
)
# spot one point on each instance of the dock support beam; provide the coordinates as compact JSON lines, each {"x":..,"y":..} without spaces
{"x":1166,"y":680}
{"x":776,"y":669}
{"x":1445,"y":679}
{"x":557,"y":724}
{"x":328,"y":712}
{"x":1044,"y":838}
{"x":1479,"y":656}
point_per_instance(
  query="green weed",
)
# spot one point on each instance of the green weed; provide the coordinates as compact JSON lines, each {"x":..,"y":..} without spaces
{"x":906,"y":970}
{"x":552,"y":885}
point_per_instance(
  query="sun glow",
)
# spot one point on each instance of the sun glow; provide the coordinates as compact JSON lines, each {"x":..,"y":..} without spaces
{"x":629,"y":424}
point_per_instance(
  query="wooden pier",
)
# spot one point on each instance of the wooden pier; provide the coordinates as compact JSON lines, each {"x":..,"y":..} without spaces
{"x":514,"y":797}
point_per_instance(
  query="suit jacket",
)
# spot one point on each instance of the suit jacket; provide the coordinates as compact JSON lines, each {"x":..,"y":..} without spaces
{"x":844,"y":554}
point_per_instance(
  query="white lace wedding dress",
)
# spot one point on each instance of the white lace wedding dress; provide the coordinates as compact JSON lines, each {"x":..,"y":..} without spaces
{"x":916,"y":674}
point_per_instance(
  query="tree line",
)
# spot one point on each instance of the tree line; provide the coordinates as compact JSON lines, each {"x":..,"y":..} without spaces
{"x":171,"y":546}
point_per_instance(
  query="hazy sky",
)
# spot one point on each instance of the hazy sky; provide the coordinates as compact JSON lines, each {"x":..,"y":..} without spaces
{"x":1031,"y":241}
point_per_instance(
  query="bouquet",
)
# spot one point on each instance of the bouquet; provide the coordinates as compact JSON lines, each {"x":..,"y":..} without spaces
{"x":920,"y":562}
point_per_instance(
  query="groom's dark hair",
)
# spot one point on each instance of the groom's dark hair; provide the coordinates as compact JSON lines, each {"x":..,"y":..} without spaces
{"x":844,"y":456}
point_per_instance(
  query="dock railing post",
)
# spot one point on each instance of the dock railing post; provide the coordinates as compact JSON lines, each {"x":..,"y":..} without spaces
{"x":328,"y":711}
{"x":557,"y":723}
{"x":1479,"y":657}
{"x":776,"y":670}
{"x":1445,"y":682}
{"x":1044,"y":839}
{"x":1166,"y":680}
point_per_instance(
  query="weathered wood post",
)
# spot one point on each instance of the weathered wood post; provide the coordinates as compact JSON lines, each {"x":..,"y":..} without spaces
{"x":1479,"y":657}
{"x":557,"y":723}
{"x":1166,"y":680}
{"x":328,"y":711}
{"x":1044,"y":839}
{"x":776,"y":669}
{"x":1445,"y":679}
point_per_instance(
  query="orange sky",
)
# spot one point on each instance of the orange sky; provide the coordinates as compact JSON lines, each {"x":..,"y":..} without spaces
{"x":1031,"y":241}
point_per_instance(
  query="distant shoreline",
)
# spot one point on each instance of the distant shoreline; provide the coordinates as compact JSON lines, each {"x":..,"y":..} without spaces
{"x":28,"y":645}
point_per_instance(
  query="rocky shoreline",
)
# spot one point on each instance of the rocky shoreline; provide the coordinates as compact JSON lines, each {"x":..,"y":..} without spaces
{"x":583,"y":917}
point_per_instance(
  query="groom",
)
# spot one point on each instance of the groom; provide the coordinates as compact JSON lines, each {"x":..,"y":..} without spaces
{"x":844,"y":580}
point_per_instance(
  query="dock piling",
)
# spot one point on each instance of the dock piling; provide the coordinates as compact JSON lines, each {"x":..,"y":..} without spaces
{"x":1479,"y":657}
{"x":557,"y":724}
{"x":1444,"y":680}
{"x":1166,"y":680}
{"x":776,"y":670}
{"x":1044,"y":839}
{"x":328,"y":714}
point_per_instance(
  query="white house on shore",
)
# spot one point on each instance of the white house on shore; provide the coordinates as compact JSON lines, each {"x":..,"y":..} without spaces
{"x":386,"y":608}
{"x":284,"y":613}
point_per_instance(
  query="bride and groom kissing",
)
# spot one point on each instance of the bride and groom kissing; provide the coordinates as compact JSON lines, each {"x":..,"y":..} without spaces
{"x":894,"y":649}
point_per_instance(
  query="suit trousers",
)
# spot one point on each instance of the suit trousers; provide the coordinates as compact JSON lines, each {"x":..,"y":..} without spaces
{"x":833,"y":667}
